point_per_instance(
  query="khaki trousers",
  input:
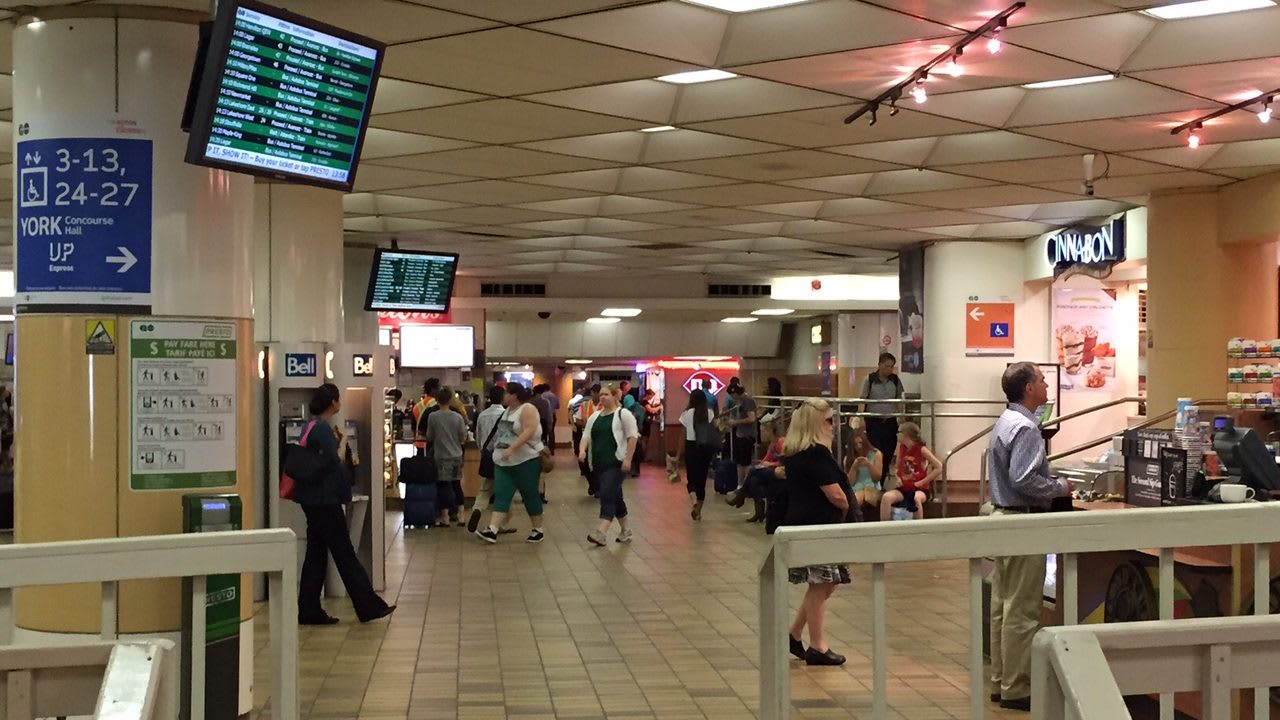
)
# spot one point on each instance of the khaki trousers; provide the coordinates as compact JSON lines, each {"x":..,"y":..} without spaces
{"x":1017,"y":597}
{"x":483,"y":495}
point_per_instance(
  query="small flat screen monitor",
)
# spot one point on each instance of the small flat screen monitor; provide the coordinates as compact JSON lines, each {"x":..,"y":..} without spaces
{"x":1243,"y":453}
{"x":283,"y":96}
{"x":411,"y":281}
{"x":437,"y":346}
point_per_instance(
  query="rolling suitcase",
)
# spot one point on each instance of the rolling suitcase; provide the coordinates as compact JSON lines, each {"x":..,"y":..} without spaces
{"x":726,"y":476}
{"x":419,"y":505}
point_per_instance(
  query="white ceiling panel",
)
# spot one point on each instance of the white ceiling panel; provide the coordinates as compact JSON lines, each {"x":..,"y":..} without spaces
{"x":849,"y":185}
{"x":671,"y":29}
{"x":518,"y":11}
{"x":859,"y":206}
{"x":744,"y":96}
{"x":925,"y":219}
{"x":569,"y":206}
{"x":602,"y":181}
{"x":676,"y":145}
{"x":819,"y":27}
{"x":1122,"y":97}
{"x":974,"y":197}
{"x":973,"y":13}
{"x":807,"y":228}
{"x":905,"y":181}
{"x":763,"y":244}
{"x":396,"y":95}
{"x":486,"y":215}
{"x":739,"y":196}
{"x":504,"y":121}
{"x":495,"y":161}
{"x":391,"y":224}
{"x":678,"y":235}
{"x":1012,"y":230}
{"x":707,"y":217}
{"x":911,"y":153}
{"x":622,"y":147}
{"x":387,"y":20}
{"x":991,"y":147}
{"x":371,"y":178}
{"x":379,"y":143}
{"x":806,"y":209}
{"x":1103,"y":42}
{"x":1254,"y":153}
{"x":786,"y":165}
{"x":1225,"y":82}
{"x":626,"y":205}
{"x":494,"y":192}
{"x":765,"y":228}
{"x":1070,"y":167}
{"x":1145,"y":184}
{"x":1214,"y":39}
{"x":636,"y":180}
{"x":370,"y":204}
{"x":648,"y":100}
{"x":516,"y":61}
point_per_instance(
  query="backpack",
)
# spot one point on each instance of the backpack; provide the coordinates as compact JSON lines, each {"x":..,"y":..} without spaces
{"x":897,"y":384}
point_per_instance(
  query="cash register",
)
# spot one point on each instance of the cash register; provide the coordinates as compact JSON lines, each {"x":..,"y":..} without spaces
{"x":1245,"y":459}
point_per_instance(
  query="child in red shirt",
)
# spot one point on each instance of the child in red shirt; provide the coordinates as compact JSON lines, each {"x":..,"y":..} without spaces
{"x":916,"y":467}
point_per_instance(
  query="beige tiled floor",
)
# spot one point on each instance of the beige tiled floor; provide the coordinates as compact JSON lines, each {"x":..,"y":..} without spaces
{"x":663,"y":628}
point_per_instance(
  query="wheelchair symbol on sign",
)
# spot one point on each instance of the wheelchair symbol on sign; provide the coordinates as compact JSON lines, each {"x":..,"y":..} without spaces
{"x":999,"y":330}
{"x":35,"y":187}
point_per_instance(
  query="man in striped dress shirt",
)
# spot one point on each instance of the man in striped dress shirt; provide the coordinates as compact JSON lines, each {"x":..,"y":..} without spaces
{"x":1020,"y":483}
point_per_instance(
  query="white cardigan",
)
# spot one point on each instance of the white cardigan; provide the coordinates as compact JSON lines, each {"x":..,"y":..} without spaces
{"x":624,"y":428}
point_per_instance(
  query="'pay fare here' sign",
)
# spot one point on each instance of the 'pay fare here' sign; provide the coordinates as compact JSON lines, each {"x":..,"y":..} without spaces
{"x":84,"y":223}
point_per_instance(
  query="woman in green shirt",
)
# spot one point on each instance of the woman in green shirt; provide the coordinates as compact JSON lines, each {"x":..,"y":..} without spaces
{"x":608,"y":447}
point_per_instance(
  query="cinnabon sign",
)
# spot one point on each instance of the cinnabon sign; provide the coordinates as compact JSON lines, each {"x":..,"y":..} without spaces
{"x":396,"y":319}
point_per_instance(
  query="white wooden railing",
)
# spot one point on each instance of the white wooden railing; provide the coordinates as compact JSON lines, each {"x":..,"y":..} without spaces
{"x":1084,"y":672}
{"x":195,"y":556}
{"x":972,"y":539}
{"x":107,"y":681}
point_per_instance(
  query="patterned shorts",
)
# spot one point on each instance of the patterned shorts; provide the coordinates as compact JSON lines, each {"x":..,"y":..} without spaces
{"x":819,"y":574}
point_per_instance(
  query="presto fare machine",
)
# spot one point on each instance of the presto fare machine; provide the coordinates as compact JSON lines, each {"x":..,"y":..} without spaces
{"x":293,"y":372}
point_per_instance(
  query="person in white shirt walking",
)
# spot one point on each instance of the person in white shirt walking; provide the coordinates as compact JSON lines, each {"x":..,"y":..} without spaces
{"x":1020,"y":483}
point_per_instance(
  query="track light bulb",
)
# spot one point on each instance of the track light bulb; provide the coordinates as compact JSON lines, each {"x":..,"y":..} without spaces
{"x":893,"y":107}
{"x":1265,"y":115}
{"x":994,"y":46}
{"x":1193,"y":139}
{"x":919,"y":94}
{"x":953,"y":68}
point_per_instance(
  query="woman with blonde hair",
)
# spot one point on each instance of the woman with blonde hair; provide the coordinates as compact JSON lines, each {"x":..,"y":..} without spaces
{"x":866,"y":469}
{"x":817,"y":494}
{"x":608,"y":448}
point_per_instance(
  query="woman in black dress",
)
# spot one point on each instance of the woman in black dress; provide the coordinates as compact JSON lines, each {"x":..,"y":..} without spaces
{"x":817,"y":494}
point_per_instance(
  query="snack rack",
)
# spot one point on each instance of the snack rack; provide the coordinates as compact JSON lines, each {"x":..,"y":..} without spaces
{"x":1253,"y":378}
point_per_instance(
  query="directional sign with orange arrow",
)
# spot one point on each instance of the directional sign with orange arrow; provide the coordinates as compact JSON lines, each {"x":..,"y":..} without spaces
{"x":988,"y":327}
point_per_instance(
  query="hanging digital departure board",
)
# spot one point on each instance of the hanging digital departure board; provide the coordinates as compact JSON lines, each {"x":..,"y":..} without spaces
{"x":403,"y":280}
{"x":283,"y":96}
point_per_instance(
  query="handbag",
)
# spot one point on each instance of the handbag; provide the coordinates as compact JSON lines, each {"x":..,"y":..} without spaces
{"x":300,"y":464}
{"x":486,"y":455}
{"x":544,"y":458}
{"x":708,"y":437}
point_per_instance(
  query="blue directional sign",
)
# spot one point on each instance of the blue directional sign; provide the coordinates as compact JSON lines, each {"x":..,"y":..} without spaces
{"x":84,"y":223}
{"x":999,"y":330}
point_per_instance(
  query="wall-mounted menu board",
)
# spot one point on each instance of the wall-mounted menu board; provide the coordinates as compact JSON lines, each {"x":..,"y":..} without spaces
{"x":283,"y":96}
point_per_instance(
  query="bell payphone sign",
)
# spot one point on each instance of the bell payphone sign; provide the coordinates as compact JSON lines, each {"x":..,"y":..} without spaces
{"x":183,"y":406}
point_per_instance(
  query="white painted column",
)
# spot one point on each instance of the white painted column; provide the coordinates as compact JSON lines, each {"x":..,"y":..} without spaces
{"x":298,"y":260}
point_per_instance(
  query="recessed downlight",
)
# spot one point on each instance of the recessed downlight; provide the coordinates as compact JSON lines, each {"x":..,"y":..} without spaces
{"x":620,"y":312}
{"x":697,"y":76}
{"x":741,"y":6}
{"x":659,"y":128}
{"x":1180,"y":11}
{"x":1068,"y":82}
{"x":739,"y":320}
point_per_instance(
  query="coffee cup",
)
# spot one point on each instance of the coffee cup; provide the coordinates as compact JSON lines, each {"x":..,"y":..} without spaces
{"x":1235,"y":493}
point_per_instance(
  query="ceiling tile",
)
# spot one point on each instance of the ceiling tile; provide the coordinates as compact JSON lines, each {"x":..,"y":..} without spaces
{"x":1144,"y":184}
{"x":670,"y":29}
{"x":904,"y":181}
{"x":386,"y":20}
{"x":707,"y":217}
{"x":489,"y":192}
{"x":859,"y":206}
{"x":391,"y":224}
{"x":739,"y":195}
{"x":678,"y":235}
{"x":925,"y":219}
{"x":1153,"y":131}
{"x":516,"y":61}
{"x":517,"y":11}
{"x":370,"y":204}
{"x":1228,"y":83}
{"x":786,"y":165}
{"x":1218,"y":38}
{"x":1059,"y":168}
{"x":648,"y":100}
{"x":624,"y":147}
{"x":568,"y":206}
{"x":819,"y":27}
{"x":853,"y":184}
{"x":744,"y":96}
{"x":819,"y":227}
{"x":503,"y":121}
{"x":395,"y":95}
{"x":1103,"y":42}
{"x":494,"y":162}
{"x":635,"y":180}
{"x":676,"y":145}
{"x":1122,"y":97}
{"x":604,"y":181}
{"x":371,"y":177}
{"x":379,"y":143}
{"x":973,"y":13}
{"x":911,"y":153}
{"x":972,"y":197}
{"x":807,"y":209}
{"x":486,"y":215}
{"x":626,"y":205}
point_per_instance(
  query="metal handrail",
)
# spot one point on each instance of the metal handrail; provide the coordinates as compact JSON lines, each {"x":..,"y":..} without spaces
{"x":944,"y":481}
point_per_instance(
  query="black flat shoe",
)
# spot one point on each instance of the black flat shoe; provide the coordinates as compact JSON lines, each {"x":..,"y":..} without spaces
{"x":1023,"y":704}
{"x":830,"y":657}
{"x":321,"y":619}
{"x":380,"y":614}
{"x":995,"y":697}
{"x":797,"y":647}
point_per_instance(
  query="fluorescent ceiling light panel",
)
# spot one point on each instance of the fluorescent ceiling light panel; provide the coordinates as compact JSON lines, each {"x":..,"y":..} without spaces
{"x":697,"y":76}
{"x":603,"y":320}
{"x":660,"y":128}
{"x":577,"y":362}
{"x":836,"y":288}
{"x":1179,"y":11}
{"x":1068,"y":82}
{"x":620,"y":312}
{"x":773,"y":312}
{"x":740,"y":6}
{"x":739,"y":320}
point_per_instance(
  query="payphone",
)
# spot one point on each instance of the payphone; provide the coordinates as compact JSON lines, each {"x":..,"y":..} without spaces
{"x":292,"y":373}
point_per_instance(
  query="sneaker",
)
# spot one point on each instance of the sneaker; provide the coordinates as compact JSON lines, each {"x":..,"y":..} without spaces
{"x":474,"y":522}
{"x":488,"y":535}
{"x":535,"y":536}
{"x":625,"y":536}
{"x":595,"y":537}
